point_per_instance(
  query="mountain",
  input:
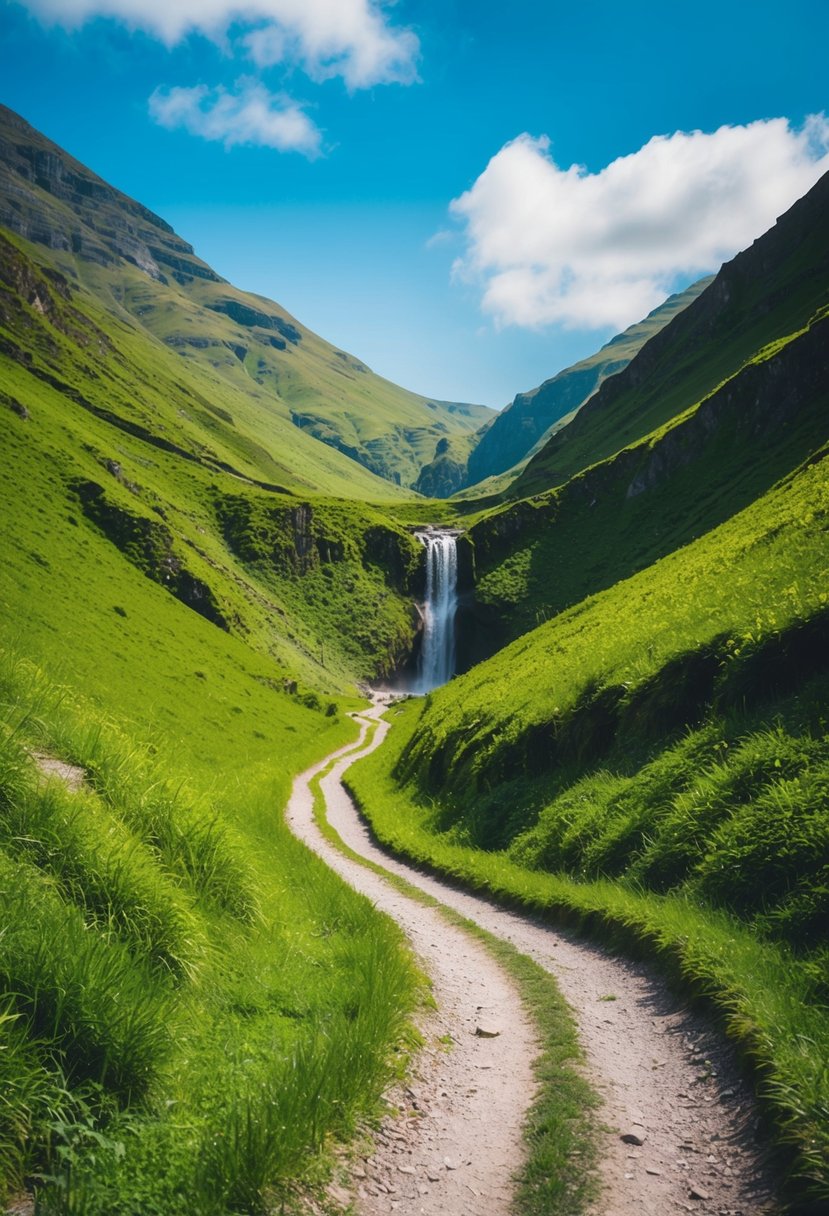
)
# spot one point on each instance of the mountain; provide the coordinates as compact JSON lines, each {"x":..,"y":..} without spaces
{"x":735,"y":389}
{"x":514,"y":433}
{"x":192,"y":586}
{"x":282,"y":378}
{"x":166,"y":461}
{"x":768,"y":290}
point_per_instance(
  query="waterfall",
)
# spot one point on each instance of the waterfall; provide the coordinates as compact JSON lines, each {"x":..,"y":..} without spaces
{"x":437,"y":652}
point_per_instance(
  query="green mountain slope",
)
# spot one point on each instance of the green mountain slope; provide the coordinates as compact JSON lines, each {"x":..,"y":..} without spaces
{"x":654,"y":763}
{"x":648,"y":755}
{"x":251,"y":358}
{"x":715,"y":455}
{"x":538,"y":556}
{"x":519,"y":429}
{"x":765,"y":292}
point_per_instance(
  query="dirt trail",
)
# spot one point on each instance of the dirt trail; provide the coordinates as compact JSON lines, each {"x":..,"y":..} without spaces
{"x":678,"y":1121}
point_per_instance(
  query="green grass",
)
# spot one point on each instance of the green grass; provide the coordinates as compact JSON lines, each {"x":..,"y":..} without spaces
{"x":194,"y":1004}
{"x":283,"y":575}
{"x":742,"y":607}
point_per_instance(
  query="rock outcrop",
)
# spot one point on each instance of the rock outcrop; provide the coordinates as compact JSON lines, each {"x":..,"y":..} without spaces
{"x":79,"y":212}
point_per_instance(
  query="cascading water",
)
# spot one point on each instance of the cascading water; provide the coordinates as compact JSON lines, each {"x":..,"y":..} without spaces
{"x":437,"y":652}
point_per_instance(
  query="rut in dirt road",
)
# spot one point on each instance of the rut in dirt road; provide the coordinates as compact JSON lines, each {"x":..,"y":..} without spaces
{"x":677,"y":1121}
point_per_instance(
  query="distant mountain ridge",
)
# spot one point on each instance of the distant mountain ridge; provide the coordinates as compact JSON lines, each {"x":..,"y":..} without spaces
{"x":138,"y":267}
{"x":525,"y":423}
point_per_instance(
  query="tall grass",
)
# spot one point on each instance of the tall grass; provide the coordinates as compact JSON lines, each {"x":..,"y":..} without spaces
{"x":190,"y":1008}
{"x":102,"y":1015}
{"x":185,"y":833}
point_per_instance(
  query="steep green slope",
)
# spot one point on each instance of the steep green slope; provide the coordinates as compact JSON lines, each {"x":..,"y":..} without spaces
{"x":538,"y":556}
{"x":515,"y":433}
{"x":190,"y":1005}
{"x":765,"y":292}
{"x":654,"y":763}
{"x":114,"y":441}
{"x":248,"y":357}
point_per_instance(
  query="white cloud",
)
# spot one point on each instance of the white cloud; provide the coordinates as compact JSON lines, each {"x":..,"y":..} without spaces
{"x":348,"y":38}
{"x":250,"y":116}
{"x":589,"y":250}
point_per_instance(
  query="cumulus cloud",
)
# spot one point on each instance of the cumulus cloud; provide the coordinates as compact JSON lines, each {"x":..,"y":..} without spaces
{"x":252,"y":115}
{"x":348,"y":38}
{"x":590,"y":250}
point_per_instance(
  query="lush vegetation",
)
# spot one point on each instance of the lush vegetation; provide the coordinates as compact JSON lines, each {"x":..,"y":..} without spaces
{"x":207,"y":544}
{"x":320,"y":587}
{"x":194,"y":1003}
{"x":192,"y":1006}
{"x":655,"y":763}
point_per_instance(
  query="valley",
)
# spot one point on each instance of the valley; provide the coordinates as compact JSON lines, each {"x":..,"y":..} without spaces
{"x":600,"y":624}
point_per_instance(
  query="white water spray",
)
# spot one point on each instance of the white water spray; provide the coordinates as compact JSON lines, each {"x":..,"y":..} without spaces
{"x":437,"y":652}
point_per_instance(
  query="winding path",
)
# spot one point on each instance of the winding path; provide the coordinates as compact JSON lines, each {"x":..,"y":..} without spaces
{"x":678,"y":1122}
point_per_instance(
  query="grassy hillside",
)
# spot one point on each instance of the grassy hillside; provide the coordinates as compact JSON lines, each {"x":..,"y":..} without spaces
{"x":208,"y":543}
{"x":180,"y":1029}
{"x":541,"y":555}
{"x":521,"y":428}
{"x":765,"y":292}
{"x":654,"y":762}
{"x":241,"y":353}
{"x":115,"y":445}
{"x":178,"y":975}
{"x":191,"y":1002}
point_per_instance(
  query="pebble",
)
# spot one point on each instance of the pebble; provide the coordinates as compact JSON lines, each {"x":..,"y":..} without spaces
{"x":637,"y":1137}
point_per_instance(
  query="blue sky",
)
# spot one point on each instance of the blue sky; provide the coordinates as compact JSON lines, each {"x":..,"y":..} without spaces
{"x":320,"y":168}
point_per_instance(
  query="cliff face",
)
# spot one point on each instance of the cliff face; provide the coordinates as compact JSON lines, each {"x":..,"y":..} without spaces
{"x":764,"y":293}
{"x":85,"y":215}
{"x":522,"y":425}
